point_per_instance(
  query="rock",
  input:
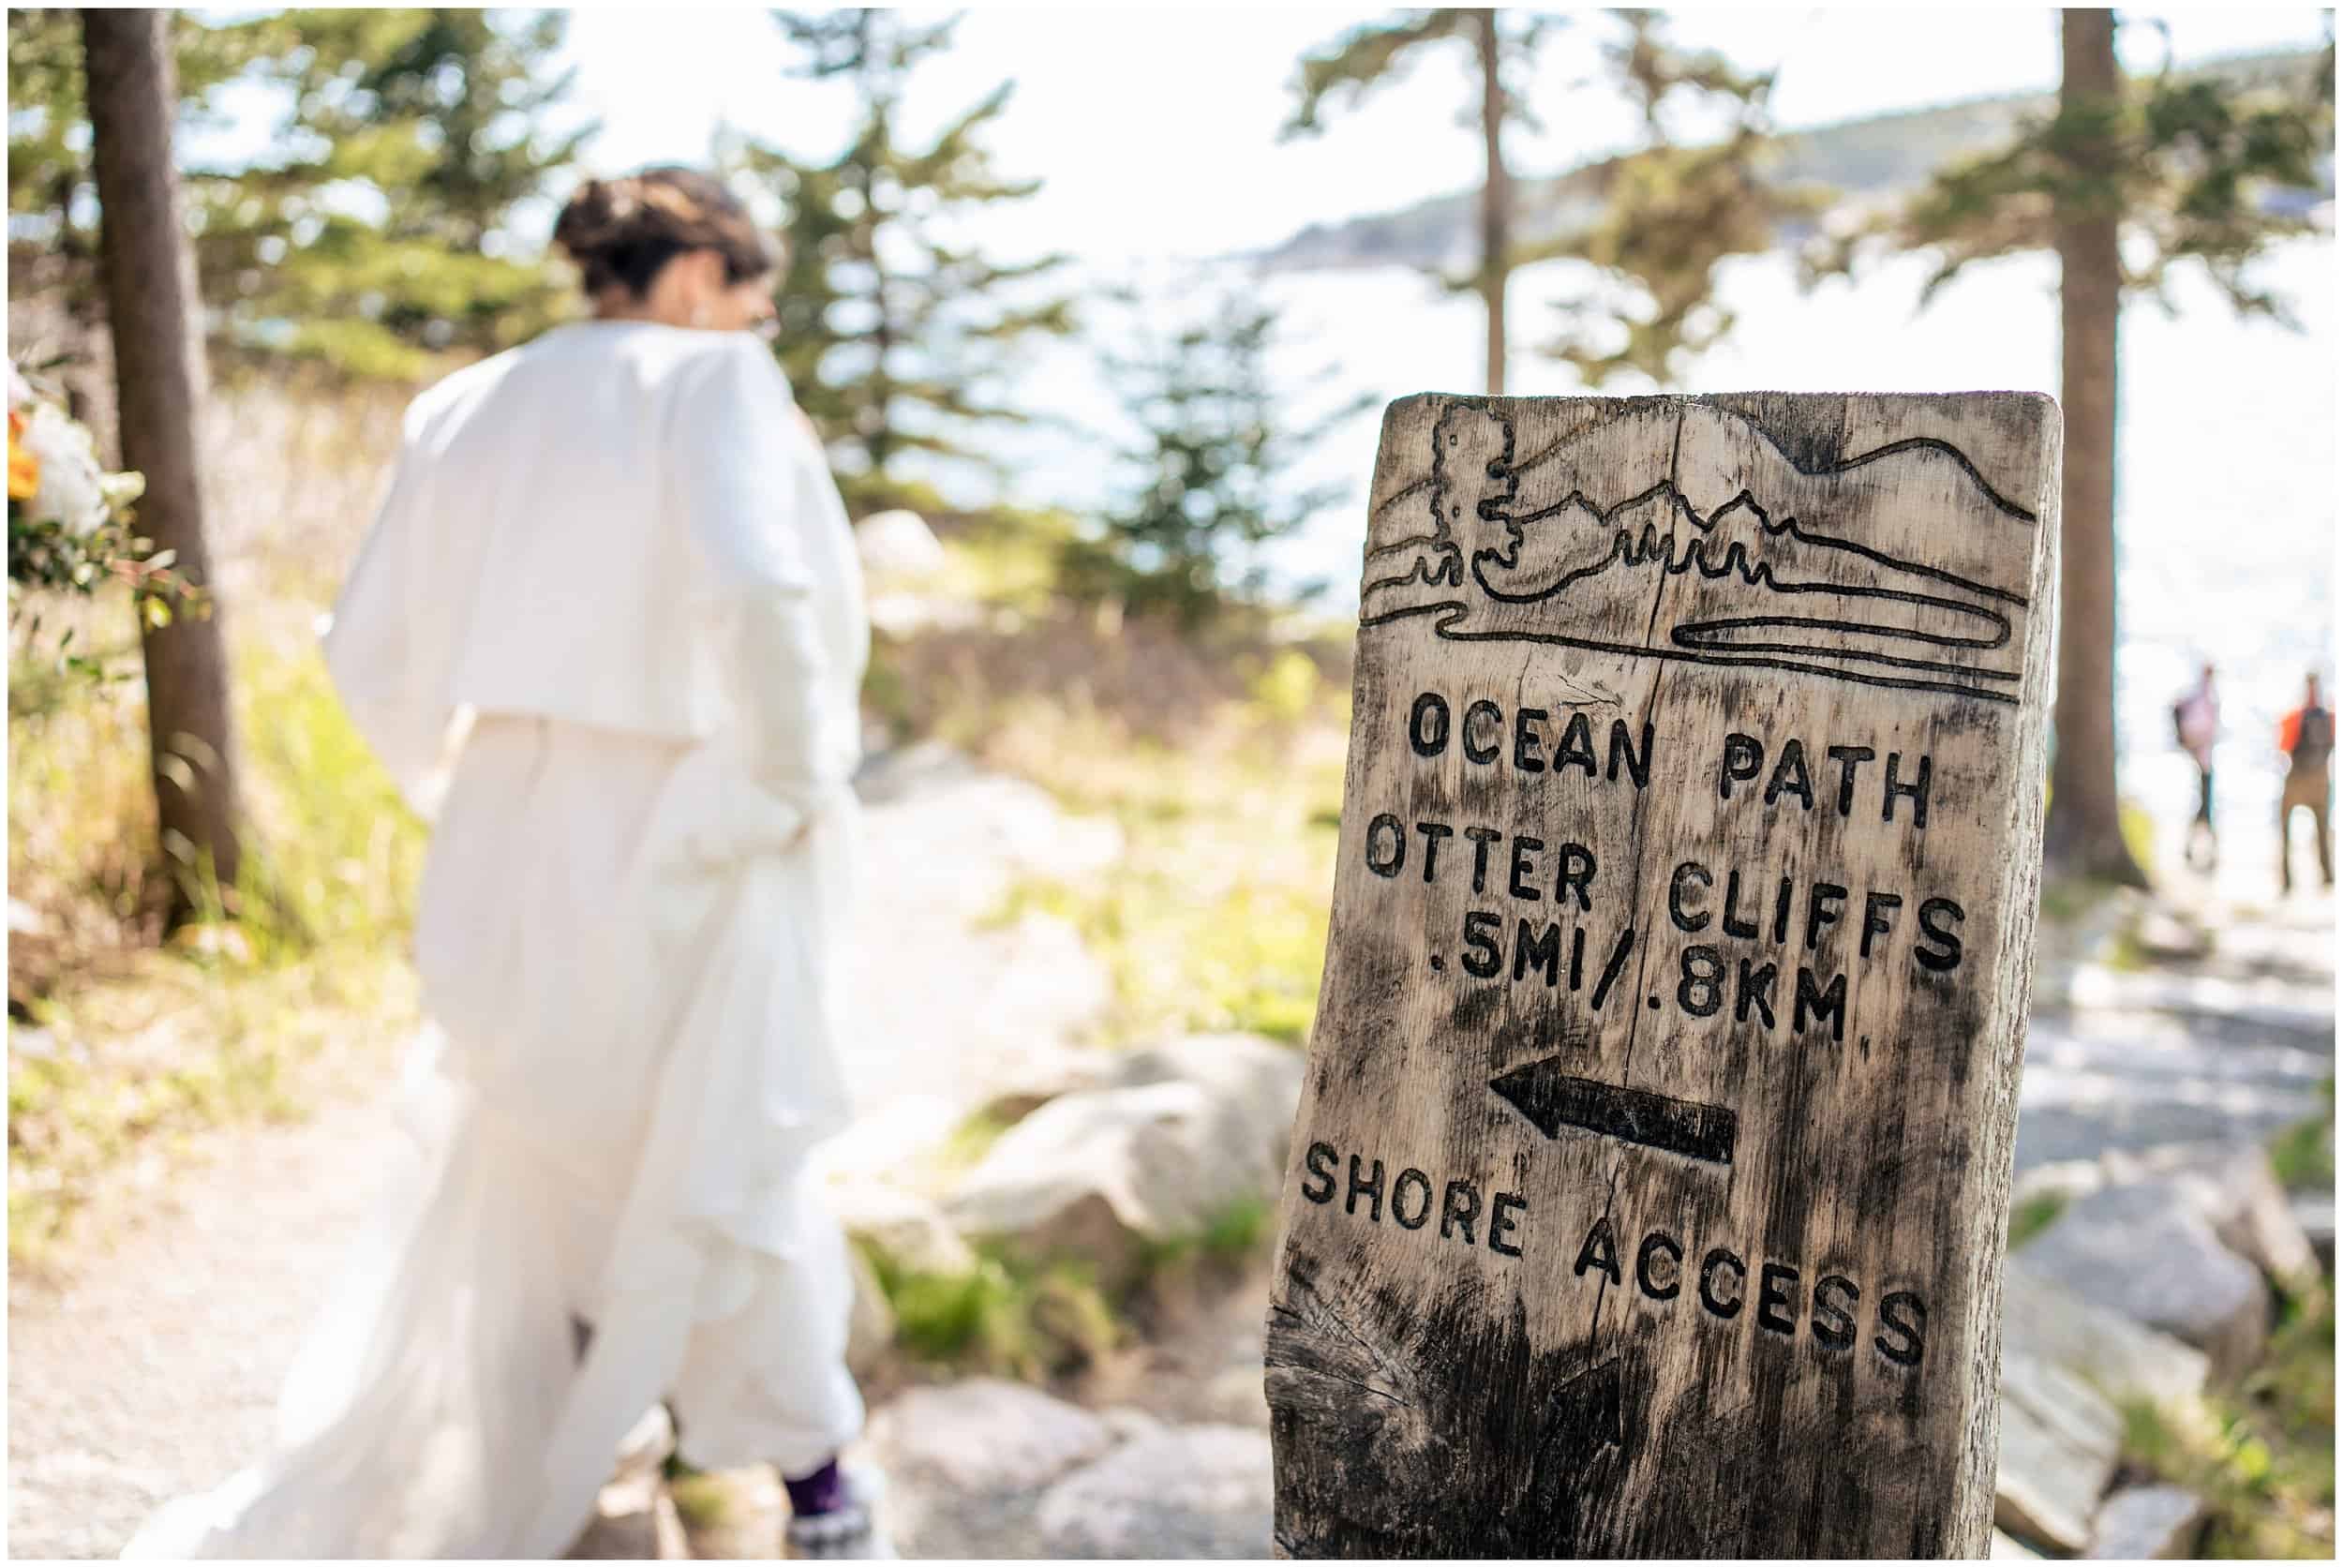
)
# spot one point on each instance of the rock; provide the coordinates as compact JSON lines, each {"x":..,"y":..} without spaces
{"x":907,"y":1130}
{"x":1196,"y":1128}
{"x":1068,"y":1072}
{"x":2005,"y":1546}
{"x":2045,"y":1324}
{"x":2316,"y":1215}
{"x":644,"y":1449}
{"x":2063,"y":1179}
{"x":898,"y":543}
{"x":2144,"y":1252}
{"x":2232,"y":1188}
{"x":909,"y":1230}
{"x":1188,"y":1492}
{"x":870,"y":1326}
{"x":985,"y":1436}
{"x":2059,"y":1445}
{"x":965,"y":1461}
{"x":635,"y":1522}
{"x":2168,"y":937}
{"x":2142,"y":1523}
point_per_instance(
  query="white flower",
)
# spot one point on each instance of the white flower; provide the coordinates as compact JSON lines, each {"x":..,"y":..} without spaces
{"x":20,"y":390}
{"x":72,"y":481}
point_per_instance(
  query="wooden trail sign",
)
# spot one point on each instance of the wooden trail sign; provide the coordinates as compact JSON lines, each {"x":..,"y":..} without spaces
{"x":1649,"y":1192}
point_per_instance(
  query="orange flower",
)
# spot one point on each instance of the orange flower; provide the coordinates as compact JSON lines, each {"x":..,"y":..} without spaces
{"x":23,"y":467}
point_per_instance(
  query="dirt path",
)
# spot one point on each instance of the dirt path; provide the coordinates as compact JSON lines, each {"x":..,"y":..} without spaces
{"x":146,"y":1365}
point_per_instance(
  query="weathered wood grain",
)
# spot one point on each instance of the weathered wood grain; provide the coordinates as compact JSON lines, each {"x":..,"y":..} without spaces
{"x":1649,"y":1192}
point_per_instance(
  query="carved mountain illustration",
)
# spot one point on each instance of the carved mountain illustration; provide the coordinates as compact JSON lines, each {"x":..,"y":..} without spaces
{"x":1681,"y":530}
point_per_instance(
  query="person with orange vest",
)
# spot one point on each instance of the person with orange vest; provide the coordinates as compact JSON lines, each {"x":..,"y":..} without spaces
{"x":2306,"y":736}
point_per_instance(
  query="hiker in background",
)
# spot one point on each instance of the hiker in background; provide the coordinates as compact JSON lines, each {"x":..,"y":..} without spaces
{"x":2306,"y":736}
{"x":2196,"y":721}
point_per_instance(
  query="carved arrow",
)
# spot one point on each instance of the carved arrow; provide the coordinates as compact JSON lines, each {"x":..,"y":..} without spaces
{"x":1552,"y":1100}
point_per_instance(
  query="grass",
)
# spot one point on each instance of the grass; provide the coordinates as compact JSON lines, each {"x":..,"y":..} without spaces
{"x":2303,"y":1156}
{"x":2263,"y":1455}
{"x":132,"y":1045}
{"x":1034,"y":1320}
{"x":2033,"y":1216}
{"x":1005,"y":1316}
{"x":1216,"y":917}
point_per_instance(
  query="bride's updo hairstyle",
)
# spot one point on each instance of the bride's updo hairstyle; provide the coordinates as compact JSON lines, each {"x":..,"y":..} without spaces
{"x":621,"y":231}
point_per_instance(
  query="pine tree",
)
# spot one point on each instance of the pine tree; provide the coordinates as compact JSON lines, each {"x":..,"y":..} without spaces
{"x":2177,"y":168}
{"x":896,"y":335}
{"x":375,"y":231}
{"x":1504,"y":45}
{"x":1672,"y":211}
{"x":1211,"y":476}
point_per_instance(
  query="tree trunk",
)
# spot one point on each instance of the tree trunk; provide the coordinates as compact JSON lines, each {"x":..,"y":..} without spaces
{"x":1496,"y":198}
{"x":158,"y":377}
{"x":2085,"y":836}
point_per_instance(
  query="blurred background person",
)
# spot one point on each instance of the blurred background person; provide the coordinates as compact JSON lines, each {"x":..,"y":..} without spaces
{"x":607,"y":630}
{"x":2306,"y":736}
{"x":2196,"y":723}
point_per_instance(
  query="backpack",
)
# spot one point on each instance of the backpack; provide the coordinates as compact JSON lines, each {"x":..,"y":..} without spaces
{"x":2314,"y":742}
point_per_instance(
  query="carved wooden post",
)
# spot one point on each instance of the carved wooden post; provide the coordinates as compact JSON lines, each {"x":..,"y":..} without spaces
{"x":1650,"y":1184}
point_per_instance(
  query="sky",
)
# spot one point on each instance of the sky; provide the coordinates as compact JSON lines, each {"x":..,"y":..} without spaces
{"x":1154,"y":130}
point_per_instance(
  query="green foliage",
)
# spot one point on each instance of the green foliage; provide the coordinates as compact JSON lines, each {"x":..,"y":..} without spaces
{"x":2030,"y":1217}
{"x":375,"y":229}
{"x":1227,"y":1239}
{"x":1004,"y":1316}
{"x":2198,"y":166}
{"x":1209,"y":481}
{"x":1672,"y":213}
{"x":2303,"y":1156}
{"x":1216,"y":917}
{"x":893,"y":330}
{"x":1347,"y":71}
{"x":227,"y":1024}
{"x":2263,"y":1454}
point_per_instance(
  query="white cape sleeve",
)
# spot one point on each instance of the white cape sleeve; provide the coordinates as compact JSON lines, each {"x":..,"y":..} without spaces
{"x":390,"y":641}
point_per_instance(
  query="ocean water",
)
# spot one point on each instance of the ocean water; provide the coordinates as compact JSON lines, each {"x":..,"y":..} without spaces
{"x":2225,"y":482}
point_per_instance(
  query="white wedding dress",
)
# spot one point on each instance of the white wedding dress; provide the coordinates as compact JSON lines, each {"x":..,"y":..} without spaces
{"x":608,"y":631}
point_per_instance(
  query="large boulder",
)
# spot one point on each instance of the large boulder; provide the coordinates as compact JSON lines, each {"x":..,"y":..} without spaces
{"x":2315,"y":1214}
{"x":2232,"y":1188}
{"x":909,"y":1230}
{"x":2142,"y":1524}
{"x":1184,"y":1492}
{"x":1187,"y":1132}
{"x":2143,"y":1251}
{"x":2044,"y":1323}
{"x":965,"y":1462}
{"x":984,"y":1436}
{"x":2060,"y":1441}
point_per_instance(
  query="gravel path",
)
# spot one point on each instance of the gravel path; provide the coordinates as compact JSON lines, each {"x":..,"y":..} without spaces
{"x":147,"y":1365}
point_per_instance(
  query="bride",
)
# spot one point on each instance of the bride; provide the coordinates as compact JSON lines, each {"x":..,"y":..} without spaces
{"x":607,"y":634}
